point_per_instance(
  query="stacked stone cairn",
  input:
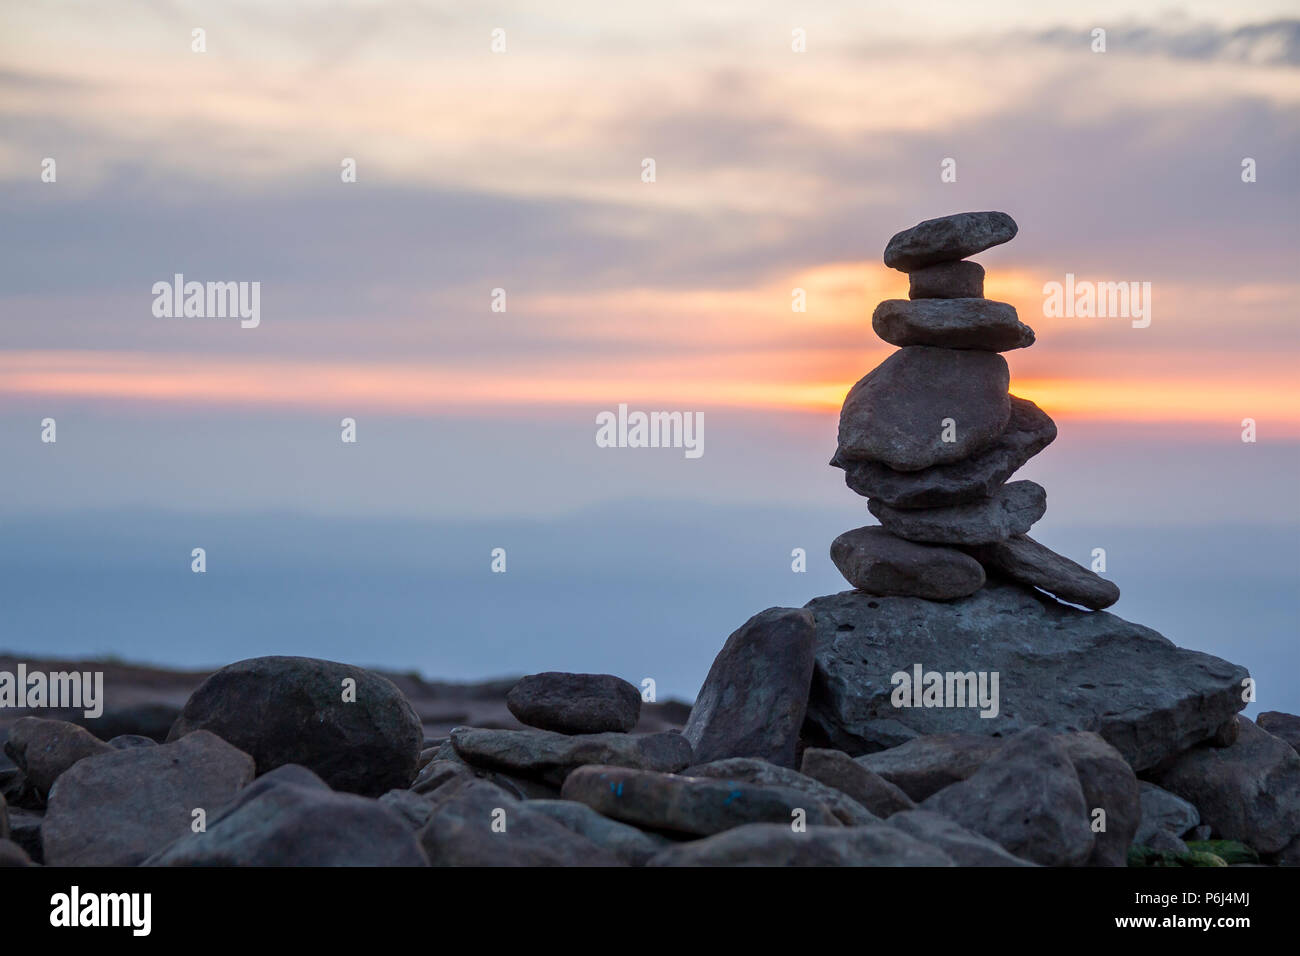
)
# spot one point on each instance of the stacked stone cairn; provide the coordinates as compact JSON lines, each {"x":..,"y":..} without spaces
{"x":931,"y":435}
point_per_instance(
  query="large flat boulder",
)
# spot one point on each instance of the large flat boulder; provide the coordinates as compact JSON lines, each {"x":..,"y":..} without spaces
{"x":1057,"y":666}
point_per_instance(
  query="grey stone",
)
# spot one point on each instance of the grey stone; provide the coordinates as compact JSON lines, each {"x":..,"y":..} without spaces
{"x":632,"y":846}
{"x":410,"y":806}
{"x":1028,"y":431}
{"x":1248,"y":792}
{"x":923,"y":766}
{"x":1110,"y":785}
{"x":753,"y":700}
{"x":873,"y":560}
{"x":966,"y":847}
{"x":436,"y":773}
{"x":1027,"y":798}
{"x":46,"y":748}
{"x":690,"y":805}
{"x":947,"y":280}
{"x":482,"y":825}
{"x":947,"y":238}
{"x":1283,"y":726}
{"x":896,"y":414}
{"x":25,"y":830}
{"x":289,"y":817}
{"x":952,"y":324}
{"x":11,"y":854}
{"x":836,"y":769}
{"x":1023,"y":559}
{"x":1058,"y":666}
{"x":752,"y":770}
{"x":575,"y":703}
{"x":130,"y":741}
{"x":1163,"y":812}
{"x":1013,"y":509}
{"x":284,"y":710}
{"x":1166,"y":842}
{"x":118,"y":808}
{"x":776,"y":844}
{"x":550,"y":757}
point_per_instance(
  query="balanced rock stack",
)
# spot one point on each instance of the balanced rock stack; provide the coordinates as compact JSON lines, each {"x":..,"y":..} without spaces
{"x":931,"y":435}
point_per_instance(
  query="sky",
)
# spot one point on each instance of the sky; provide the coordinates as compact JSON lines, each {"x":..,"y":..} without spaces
{"x":522,"y":170}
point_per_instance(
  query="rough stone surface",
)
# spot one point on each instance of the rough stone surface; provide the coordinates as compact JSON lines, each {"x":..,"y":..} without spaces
{"x":1023,"y":559}
{"x":966,"y":847}
{"x":1248,"y":792}
{"x":46,"y":748}
{"x":752,"y":770}
{"x":1163,"y":812}
{"x":947,"y":238}
{"x":130,"y":741}
{"x":118,"y":808}
{"x":923,"y":766}
{"x":689,"y":805}
{"x":1280,"y":725}
{"x":289,"y":817}
{"x":575,"y":703}
{"x":952,"y":324}
{"x":873,"y":560}
{"x":1108,"y":784}
{"x":836,"y":769}
{"x":482,"y":825}
{"x":947,"y":280}
{"x":775,"y":844}
{"x":1028,"y":431}
{"x":753,"y":700}
{"x":11,"y":854}
{"x":550,"y":757}
{"x":410,"y":806}
{"x":1013,"y":509}
{"x":896,"y":414}
{"x":632,"y":846}
{"x":285,"y":710}
{"x":1058,"y":666}
{"x":1027,"y":798}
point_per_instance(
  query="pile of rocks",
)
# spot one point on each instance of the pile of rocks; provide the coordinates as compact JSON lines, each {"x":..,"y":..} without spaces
{"x":931,"y":435}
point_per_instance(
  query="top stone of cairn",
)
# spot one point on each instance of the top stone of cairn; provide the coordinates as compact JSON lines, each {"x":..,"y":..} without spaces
{"x":948,"y":238}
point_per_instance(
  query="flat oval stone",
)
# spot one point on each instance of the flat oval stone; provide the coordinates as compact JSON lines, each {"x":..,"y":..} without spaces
{"x":575,"y":703}
{"x":1012,"y":510}
{"x":948,"y":238}
{"x":873,"y":560}
{"x":962,"y":279}
{"x":1023,"y":559}
{"x":899,"y":413}
{"x":952,"y":323}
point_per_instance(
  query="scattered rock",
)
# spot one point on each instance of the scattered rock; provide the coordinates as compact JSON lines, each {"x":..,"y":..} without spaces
{"x":1057,"y":666}
{"x":550,"y":757}
{"x":1013,"y":509}
{"x":775,"y":844}
{"x":752,"y":770}
{"x":836,"y":769}
{"x":948,"y":238}
{"x":899,"y":412}
{"x":632,"y":846}
{"x":46,"y":748}
{"x":689,"y":805}
{"x":873,"y":560}
{"x":1283,"y":726}
{"x":966,"y":847}
{"x":947,"y":280}
{"x":131,"y":741}
{"x":1163,"y":812}
{"x":289,"y":817}
{"x":1027,"y":798}
{"x":285,"y":710}
{"x":1248,"y":792}
{"x":410,"y":806}
{"x":1028,"y":431}
{"x":952,"y":324}
{"x":923,"y":766}
{"x":436,"y":773}
{"x":1023,"y":559}
{"x":1162,"y":841}
{"x":753,"y":701}
{"x":119,"y":807}
{"x":482,"y":825}
{"x":575,"y":703}
{"x":1109,"y":784}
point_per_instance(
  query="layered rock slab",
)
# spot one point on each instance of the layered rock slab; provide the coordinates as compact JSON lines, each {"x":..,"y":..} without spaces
{"x":951,"y":324}
{"x":1023,"y":559}
{"x":1011,"y":510}
{"x":1057,"y":666}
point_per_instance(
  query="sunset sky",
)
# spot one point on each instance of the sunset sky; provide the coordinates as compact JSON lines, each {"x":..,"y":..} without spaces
{"x":521,"y":170}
